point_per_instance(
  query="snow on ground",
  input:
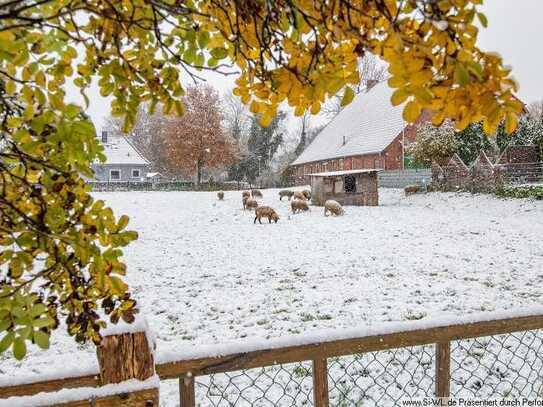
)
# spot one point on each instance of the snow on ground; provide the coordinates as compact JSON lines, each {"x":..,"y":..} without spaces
{"x":204,"y":273}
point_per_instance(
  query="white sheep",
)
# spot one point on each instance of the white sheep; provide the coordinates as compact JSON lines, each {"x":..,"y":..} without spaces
{"x":333,"y":207}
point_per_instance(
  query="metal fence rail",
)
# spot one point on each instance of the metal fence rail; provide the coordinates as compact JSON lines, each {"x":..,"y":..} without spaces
{"x":403,"y":178}
{"x":117,"y":186}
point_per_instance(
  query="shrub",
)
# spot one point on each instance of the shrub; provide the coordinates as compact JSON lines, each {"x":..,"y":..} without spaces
{"x":521,"y":191}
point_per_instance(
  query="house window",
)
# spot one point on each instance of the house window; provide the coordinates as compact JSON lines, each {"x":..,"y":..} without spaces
{"x":135,"y":173}
{"x":340,"y":164}
{"x":378,"y":164}
{"x":114,"y":175}
{"x":350,"y":184}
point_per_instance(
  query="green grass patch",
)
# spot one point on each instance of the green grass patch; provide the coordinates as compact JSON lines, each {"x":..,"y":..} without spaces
{"x":521,"y":191}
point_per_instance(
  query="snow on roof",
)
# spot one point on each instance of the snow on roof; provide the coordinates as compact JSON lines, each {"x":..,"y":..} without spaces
{"x":367,"y":125}
{"x":340,"y":173}
{"x":118,"y":150}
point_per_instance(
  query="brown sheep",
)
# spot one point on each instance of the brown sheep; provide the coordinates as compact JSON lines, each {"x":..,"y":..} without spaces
{"x":299,"y":195}
{"x":256,"y":193}
{"x":307,"y":194}
{"x":220,"y":195}
{"x":245,"y":194}
{"x":250,"y":204}
{"x":333,"y":207}
{"x":412,"y":189}
{"x":298,"y":205}
{"x":265,"y":212}
{"x":285,"y":192}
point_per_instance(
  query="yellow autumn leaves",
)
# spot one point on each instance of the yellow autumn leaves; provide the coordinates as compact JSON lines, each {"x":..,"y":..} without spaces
{"x":299,"y":52}
{"x":433,"y":61}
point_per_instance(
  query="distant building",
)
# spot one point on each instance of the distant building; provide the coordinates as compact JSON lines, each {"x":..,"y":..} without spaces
{"x":352,"y":187}
{"x":154,"y":177}
{"x":123,"y":162}
{"x":369,"y":133}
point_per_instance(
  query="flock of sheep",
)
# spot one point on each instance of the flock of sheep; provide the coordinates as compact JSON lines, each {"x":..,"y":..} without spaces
{"x":298,"y":203}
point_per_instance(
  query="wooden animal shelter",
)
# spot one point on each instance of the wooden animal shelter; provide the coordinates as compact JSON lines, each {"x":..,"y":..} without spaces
{"x":351,"y":187}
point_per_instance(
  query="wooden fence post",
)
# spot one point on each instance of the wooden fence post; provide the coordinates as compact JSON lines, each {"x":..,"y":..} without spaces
{"x":127,"y":356}
{"x":187,"y":395}
{"x":443,"y":369}
{"x":320,"y":383}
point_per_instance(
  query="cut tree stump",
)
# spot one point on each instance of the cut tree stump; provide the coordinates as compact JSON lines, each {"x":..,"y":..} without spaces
{"x":125,"y":356}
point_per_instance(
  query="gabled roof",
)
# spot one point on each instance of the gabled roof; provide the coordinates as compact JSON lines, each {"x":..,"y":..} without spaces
{"x":118,"y":150}
{"x":367,"y":125}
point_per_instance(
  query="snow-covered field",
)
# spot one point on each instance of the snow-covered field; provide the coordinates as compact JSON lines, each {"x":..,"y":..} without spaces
{"x":204,"y":273}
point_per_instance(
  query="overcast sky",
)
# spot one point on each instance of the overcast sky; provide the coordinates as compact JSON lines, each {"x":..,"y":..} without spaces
{"x":515,"y":30}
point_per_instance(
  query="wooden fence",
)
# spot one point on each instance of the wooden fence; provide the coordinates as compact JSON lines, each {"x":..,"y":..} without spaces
{"x":317,"y":352}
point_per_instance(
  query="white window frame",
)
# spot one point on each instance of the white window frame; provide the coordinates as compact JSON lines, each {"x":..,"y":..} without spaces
{"x":115,"y":169}
{"x":132,"y":173}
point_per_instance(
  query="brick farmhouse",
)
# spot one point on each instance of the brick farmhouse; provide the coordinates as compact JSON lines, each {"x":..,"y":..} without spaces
{"x":369,"y":133}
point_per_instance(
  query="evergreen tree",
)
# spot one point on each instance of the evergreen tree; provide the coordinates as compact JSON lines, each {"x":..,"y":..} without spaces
{"x":471,"y":141}
{"x":262,"y":144}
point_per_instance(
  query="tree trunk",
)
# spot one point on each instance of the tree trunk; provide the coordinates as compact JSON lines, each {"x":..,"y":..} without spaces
{"x":198,"y":173}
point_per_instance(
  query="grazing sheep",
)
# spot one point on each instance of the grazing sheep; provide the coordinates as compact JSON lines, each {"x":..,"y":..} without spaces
{"x":298,"y":205}
{"x":333,"y":207}
{"x":299,"y":195}
{"x":245,"y":194}
{"x":266,"y":212}
{"x":220,"y":195}
{"x":256,"y":193}
{"x":250,"y":204}
{"x":412,"y":189}
{"x":307,"y":194}
{"x":285,"y":192}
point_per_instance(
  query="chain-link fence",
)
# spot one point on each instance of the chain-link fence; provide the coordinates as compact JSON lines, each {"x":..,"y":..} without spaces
{"x":381,"y":378}
{"x":509,"y":365}
{"x":280,"y":385}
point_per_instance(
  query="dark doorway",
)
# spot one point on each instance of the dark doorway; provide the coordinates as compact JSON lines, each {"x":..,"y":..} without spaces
{"x":350,"y":183}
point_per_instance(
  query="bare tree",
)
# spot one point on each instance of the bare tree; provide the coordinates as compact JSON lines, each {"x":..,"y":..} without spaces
{"x":237,"y":119}
{"x":535,"y":110}
{"x":147,"y":136}
{"x":371,"y":71}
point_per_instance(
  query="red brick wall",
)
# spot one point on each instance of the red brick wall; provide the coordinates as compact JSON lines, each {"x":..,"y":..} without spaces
{"x":520,"y":154}
{"x":390,"y":158}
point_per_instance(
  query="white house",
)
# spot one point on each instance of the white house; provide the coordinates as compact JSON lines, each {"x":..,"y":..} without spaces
{"x":123,"y":162}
